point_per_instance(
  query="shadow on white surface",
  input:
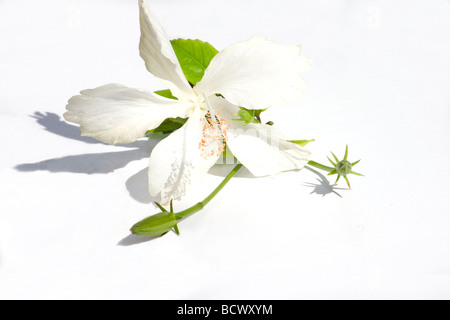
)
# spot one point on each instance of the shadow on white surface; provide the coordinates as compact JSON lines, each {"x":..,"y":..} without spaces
{"x":101,"y":163}
{"x":137,"y":186}
{"x":131,"y":240}
{"x":54,"y":124}
{"x":222,"y":170}
{"x":107,"y":162}
{"x":324,"y":187}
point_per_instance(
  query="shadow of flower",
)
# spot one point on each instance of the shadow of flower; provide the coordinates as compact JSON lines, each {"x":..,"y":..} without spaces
{"x":137,"y":186}
{"x":103,"y":163}
{"x":54,"y":124}
{"x":100,"y":163}
{"x":96,"y":163}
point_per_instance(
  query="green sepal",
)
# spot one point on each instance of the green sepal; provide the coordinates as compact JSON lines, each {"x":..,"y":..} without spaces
{"x":346,"y":153}
{"x":348,"y":182}
{"x":336,"y":158}
{"x":194,"y":57}
{"x":155,"y":225}
{"x":175,"y":227}
{"x":332,"y":172}
{"x":334,"y":164}
{"x":161,"y":207}
{"x":302,"y":142}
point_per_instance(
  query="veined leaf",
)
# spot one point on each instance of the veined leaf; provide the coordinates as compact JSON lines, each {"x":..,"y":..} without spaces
{"x":194,"y":57}
{"x":301,"y":142}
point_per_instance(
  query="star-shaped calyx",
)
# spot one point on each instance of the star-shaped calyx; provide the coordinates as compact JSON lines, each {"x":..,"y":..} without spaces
{"x":343,"y":167}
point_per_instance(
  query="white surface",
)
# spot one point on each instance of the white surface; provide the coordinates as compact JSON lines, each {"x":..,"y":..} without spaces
{"x":380,"y":82}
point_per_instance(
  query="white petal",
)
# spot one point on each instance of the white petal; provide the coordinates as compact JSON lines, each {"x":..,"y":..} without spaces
{"x":261,"y":148}
{"x":256,"y":74}
{"x":158,"y":54}
{"x":117,"y":114}
{"x":178,"y":163}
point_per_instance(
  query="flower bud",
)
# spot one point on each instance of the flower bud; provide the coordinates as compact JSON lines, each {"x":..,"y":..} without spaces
{"x":344,"y":167}
{"x":155,"y":225}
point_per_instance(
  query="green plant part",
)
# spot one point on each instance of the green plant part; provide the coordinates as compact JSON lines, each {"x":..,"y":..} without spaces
{"x":302,"y":143}
{"x":161,"y":223}
{"x":158,"y":224}
{"x":340,"y":167}
{"x":194,"y":57}
{"x":168,"y":126}
{"x":249,"y":115}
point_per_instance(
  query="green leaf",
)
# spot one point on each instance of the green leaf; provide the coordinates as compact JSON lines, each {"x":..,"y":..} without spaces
{"x":194,"y":57}
{"x":301,"y":142}
{"x":169,"y":125}
{"x":166,"y":94}
{"x":249,"y":115}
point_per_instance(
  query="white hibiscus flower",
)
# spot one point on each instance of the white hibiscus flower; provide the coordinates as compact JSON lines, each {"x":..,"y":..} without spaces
{"x":253,"y":74}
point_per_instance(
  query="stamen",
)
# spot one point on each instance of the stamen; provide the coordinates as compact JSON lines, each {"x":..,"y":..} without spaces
{"x":208,"y":104}
{"x":214,"y":132}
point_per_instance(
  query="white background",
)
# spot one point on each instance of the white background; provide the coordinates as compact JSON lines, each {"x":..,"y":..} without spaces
{"x":380,"y":83}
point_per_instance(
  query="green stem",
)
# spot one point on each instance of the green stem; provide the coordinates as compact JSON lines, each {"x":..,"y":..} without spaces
{"x":320,"y":166}
{"x":199,"y":206}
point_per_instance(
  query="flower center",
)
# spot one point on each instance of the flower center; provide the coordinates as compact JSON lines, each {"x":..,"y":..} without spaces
{"x":201,"y":102}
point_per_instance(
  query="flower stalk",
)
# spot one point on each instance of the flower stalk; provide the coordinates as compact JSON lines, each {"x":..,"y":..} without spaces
{"x":199,"y":206}
{"x":161,"y":223}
